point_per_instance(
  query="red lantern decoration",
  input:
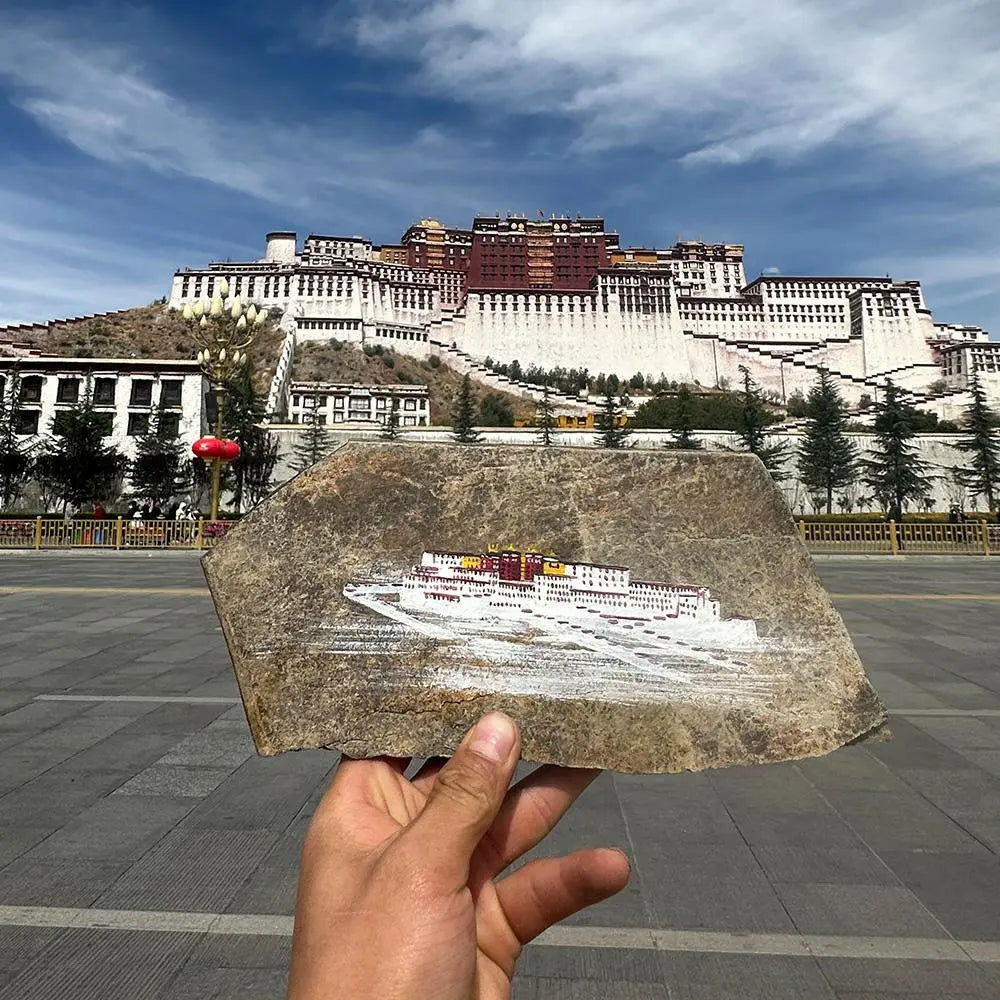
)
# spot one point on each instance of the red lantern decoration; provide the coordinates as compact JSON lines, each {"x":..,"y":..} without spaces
{"x":208,"y":447}
{"x":230,"y":451}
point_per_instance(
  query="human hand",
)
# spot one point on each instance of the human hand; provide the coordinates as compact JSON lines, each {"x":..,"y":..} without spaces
{"x":398,"y":892}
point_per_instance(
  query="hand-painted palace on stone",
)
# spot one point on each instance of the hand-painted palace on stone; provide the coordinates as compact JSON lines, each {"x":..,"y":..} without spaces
{"x":560,"y":291}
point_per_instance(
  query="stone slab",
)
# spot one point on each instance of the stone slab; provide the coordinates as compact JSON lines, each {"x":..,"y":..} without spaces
{"x":732,"y":653}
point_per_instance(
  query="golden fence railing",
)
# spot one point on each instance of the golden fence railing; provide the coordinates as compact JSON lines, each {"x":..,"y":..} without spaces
{"x":848,"y":537}
{"x":109,"y":533}
{"x":904,"y":538}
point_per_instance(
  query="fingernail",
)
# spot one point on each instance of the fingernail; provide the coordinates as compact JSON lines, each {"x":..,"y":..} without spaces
{"x":493,"y":737}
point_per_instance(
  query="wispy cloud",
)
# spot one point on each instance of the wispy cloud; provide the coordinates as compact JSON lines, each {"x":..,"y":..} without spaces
{"x":101,"y":99}
{"x":721,"y":82}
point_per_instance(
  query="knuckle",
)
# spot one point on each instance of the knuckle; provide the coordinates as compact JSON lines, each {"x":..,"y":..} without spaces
{"x":469,"y":782}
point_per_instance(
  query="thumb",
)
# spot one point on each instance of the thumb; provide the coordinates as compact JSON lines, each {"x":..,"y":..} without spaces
{"x":466,"y":798}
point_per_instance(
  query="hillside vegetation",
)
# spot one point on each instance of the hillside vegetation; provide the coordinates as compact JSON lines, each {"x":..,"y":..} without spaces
{"x":336,"y":361}
{"x":144,"y":332}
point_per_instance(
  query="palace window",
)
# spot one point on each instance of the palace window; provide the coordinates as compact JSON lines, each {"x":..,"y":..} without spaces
{"x":170,"y":392}
{"x":26,"y":422}
{"x":142,"y":393}
{"x":104,"y":391}
{"x":138,"y":424}
{"x":31,"y":389}
{"x":68,"y":390}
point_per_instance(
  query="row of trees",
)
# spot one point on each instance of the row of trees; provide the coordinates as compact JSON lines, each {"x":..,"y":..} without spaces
{"x":74,"y":465}
{"x":827,"y":460}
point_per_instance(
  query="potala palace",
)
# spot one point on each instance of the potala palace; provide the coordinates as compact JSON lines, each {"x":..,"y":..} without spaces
{"x":562,"y":292}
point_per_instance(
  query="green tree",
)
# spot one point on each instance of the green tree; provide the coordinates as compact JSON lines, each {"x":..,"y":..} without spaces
{"x":160,"y":469}
{"x":313,"y":443}
{"x":249,"y":478}
{"x":982,"y":444}
{"x":682,"y":422}
{"x":494,"y":411}
{"x":828,"y":459}
{"x":545,"y":417}
{"x":390,"y":429}
{"x":796,"y":405}
{"x":75,"y":465}
{"x":895,"y":472}
{"x":613,"y":430}
{"x":754,"y":417}
{"x":16,"y":456}
{"x":464,"y":415}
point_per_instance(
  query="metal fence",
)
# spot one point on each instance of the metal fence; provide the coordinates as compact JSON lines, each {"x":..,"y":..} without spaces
{"x":849,"y":537}
{"x":109,"y":533}
{"x":904,"y":538}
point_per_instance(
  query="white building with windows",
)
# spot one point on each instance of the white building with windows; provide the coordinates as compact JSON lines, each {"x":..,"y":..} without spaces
{"x":686,"y":312}
{"x":126,"y":391}
{"x":353,"y":403}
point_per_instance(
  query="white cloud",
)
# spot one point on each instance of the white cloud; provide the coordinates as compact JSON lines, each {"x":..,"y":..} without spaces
{"x":104,"y":101}
{"x":720,"y":82}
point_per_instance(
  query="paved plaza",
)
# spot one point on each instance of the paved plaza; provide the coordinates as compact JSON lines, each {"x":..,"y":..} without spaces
{"x":146,"y":852}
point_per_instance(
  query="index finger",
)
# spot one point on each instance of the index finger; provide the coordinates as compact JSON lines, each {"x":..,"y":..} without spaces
{"x":532,"y":808}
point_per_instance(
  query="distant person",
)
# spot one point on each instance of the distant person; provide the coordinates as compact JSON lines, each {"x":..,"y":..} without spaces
{"x":99,"y":512}
{"x":400,"y":888}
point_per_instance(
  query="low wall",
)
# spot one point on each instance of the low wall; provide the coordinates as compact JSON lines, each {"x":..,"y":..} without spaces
{"x":937,"y":450}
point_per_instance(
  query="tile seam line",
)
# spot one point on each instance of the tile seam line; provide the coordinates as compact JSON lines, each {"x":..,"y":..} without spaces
{"x":561,"y":936}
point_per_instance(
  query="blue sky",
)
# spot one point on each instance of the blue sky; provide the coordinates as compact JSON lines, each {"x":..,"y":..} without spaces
{"x":847,"y":137}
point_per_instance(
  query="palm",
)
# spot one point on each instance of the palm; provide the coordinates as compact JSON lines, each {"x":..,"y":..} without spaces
{"x":488,"y":921}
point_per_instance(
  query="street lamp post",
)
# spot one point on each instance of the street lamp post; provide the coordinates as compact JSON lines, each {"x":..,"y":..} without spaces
{"x":224,"y":332}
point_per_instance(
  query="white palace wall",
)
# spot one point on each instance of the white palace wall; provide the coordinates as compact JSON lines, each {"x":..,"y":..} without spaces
{"x":661,"y":319}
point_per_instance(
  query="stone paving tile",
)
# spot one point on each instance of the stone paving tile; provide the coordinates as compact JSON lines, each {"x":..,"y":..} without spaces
{"x":227,"y":984}
{"x":531,"y":988}
{"x":239,"y":804}
{"x":190,"y":870}
{"x":894,"y":820}
{"x":19,"y":945}
{"x":166,"y":779}
{"x":123,"y":749}
{"x":110,"y":965}
{"x":598,"y":964}
{"x":175,"y":719}
{"x":743,"y":977}
{"x":699,"y":900}
{"x":55,"y":798}
{"x":961,"y":890}
{"x":114,"y":829}
{"x":852,"y":910}
{"x":213,"y":746}
{"x":909,"y":977}
{"x":28,"y":882}
{"x":823,"y":865}
{"x":241,"y":951}
{"x":961,"y":734}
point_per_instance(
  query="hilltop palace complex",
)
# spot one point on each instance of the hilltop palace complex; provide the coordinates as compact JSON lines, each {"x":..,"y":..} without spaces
{"x":562,"y":292}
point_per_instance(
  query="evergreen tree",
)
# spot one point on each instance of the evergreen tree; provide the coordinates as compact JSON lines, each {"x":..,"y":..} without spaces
{"x":545,"y":417}
{"x":313,"y":443}
{"x":494,"y":412}
{"x":243,"y":412}
{"x":75,"y":465}
{"x":613,"y":431}
{"x":754,"y":416}
{"x":682,"y":421}
{"x":16,"y":456}
{"x":390,"y":429}
{"x":464,"y":415}
{"x":895,"y":472}
{"x":983,"y":444}
{"x":160,"y":469}
{"x":828,"y":459}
